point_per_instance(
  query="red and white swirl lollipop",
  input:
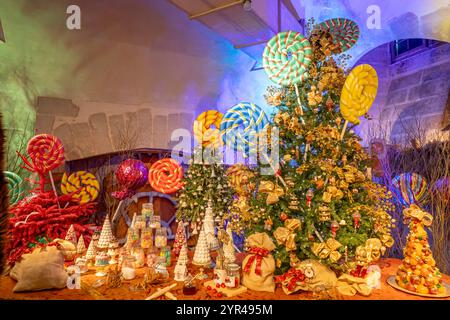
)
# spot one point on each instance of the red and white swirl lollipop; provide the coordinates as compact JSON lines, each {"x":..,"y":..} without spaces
{"x":46,"y":152}
{"x":165,"y":176}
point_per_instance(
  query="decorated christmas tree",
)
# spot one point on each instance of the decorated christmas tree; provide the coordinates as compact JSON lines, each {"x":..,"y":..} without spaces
{"x":81,"y":246}
{"x":71,"y":235}
{"x":203,"y":181}
{"x":106,"y":235}
{"x":180,"y":238}
{"x":201,"y":253}
{"x":418,"y":272}
{"x":319,"y":191}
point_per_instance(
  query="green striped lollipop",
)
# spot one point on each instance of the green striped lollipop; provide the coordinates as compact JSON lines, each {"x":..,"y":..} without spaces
{"x":14,"y":186}
{"x":344,"y":31}
{"x":286,"y":58}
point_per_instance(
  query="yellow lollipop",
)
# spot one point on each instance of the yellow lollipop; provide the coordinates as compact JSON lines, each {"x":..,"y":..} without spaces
{"x":83,"y":185}
{"x":358,"y":93}
{"x":203,"y":130}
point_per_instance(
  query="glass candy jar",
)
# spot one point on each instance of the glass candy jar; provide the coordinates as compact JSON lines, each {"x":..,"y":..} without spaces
{"x":233,"y":278}
{"x":128,"y":269}
{"x":132,"y":237}
{"x":161,"y":268}
{"x":152,"y":257}
{"x":140,"y":222}
{"x":147,"y":238}
{"x":155,"y":221}
{"x":161,"y":238}
{"x":165,"y":253}
{"x":147,"y":212}
{"x":139,"y":255}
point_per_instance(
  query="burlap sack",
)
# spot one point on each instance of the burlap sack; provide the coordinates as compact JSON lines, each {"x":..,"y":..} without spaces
{"x":251,"y":278}
{"x":42,"y":269}
{"x":318,"y":277}
{"x":67,"y":248}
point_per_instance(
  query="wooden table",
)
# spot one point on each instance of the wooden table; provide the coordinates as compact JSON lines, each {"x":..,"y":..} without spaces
{"x":87,"y":292}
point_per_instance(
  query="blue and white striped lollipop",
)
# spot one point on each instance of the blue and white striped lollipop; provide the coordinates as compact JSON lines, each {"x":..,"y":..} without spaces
{"x":240,"y":126}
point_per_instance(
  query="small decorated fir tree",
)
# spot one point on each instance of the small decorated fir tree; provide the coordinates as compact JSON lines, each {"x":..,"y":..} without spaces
{"x":81,"y":246}
{"x":180,"y":238}
{"x":201,"y":253}
{"x":71,"y":235}
{"x":180,"y":271}
{"x":228,"y":249}
{"x":106,"y":235}
{"x":92,"y":250}
{"x":208,"y":223}
{"x":203,"y":182}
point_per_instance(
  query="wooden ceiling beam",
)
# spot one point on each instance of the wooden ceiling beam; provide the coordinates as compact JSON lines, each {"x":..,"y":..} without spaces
{"x":225,"y":6}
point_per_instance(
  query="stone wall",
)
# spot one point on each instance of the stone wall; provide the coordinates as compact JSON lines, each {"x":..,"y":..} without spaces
{"x":412,"y":94}
{"x":88,"y":128}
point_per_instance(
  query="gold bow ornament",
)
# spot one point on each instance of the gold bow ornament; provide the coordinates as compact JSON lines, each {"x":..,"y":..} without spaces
{"x":415,"y":213}
{"x":370,"y":252}
{"x":349,"y":285}
{"x":332,"y":192}
{"x":327,"y":249}
{"x":274,"y":191}
{"x":286,"y":235}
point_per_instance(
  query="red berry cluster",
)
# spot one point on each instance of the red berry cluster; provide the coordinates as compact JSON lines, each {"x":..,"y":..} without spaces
{"x":213,"y":292}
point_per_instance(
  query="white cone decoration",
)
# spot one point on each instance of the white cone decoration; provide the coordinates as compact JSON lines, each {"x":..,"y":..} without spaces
{"x":201,"y":254}
{"x":81,"y":247}
{"x":183,"y":257}
{"x":106,"y":235}
{"x":228,"y":249}
{"x":92,"y":250}
{"x":180,"y":270}
{"x":208,"y":222}
{"x":71,"y":235}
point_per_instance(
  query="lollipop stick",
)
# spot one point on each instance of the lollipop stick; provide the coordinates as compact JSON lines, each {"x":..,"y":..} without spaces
{"x":343,"y":129}
{"x":299,"y":103}
{"x":117,"y":211}
{"x":273,"y":168}
{"x":317,"y":233}
{"x":306,"y":152}
{"x":54,"y":188}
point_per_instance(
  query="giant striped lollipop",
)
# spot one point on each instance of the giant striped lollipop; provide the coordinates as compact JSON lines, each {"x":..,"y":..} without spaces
{"x":358,"y":94}
{"x":165,"y":176}
{"x":241,"y":124}
{"x":14,"y":182}
{"x":83,"y":186}
{"x":286,"y":58}
{"x":410,"y":187}
{"x":345,"y":32}
{"x":203,"y":131}
{"x":46,"y":152}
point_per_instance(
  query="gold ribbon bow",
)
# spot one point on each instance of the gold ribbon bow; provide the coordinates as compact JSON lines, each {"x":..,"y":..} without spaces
{"x":387,"y":240}
{"x":414,"y":212}
{"x":286,"y":235}
{"x":370,"y":252}
{"x":332,"y":192}
{"x":349,"y":285}
{"x":274,"y":191}
{"x":327,"y":249}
